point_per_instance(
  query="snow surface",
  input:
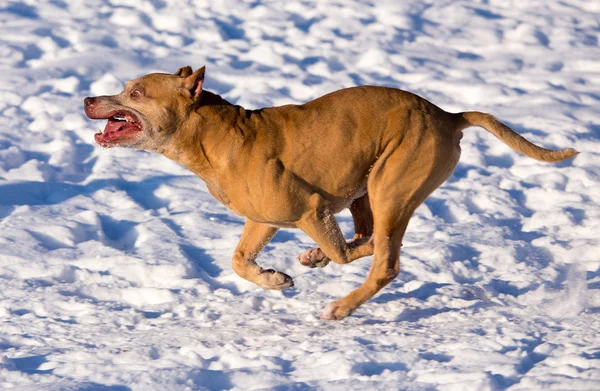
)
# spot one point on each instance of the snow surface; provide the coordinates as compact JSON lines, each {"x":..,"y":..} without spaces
{"x":115,"y":264}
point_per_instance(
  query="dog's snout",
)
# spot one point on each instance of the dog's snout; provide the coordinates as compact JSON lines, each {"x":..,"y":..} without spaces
{"x":89,"y":101}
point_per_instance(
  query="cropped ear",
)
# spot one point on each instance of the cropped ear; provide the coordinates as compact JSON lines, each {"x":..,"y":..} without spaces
{"x":194,"y":82}
{"x":184,"y":71}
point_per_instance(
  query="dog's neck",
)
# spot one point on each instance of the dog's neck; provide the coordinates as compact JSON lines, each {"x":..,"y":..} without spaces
{"x":216,"y":128}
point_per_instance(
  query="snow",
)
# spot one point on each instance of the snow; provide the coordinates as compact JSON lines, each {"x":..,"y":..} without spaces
{"x":115,"y":266}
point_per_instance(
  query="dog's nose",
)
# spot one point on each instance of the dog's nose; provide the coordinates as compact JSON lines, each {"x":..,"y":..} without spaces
{"x":89,"y":101}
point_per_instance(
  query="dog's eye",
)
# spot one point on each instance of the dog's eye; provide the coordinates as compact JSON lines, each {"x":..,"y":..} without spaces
{"x":135,"y":93}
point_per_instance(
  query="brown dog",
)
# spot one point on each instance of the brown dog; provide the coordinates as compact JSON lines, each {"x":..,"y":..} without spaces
{"x":377,"y":151}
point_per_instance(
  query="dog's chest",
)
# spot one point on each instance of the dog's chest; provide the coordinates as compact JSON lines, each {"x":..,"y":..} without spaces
{"x":222,"y":198}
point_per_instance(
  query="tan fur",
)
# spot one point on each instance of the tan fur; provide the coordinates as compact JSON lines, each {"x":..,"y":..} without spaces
{"x":377,"y":151}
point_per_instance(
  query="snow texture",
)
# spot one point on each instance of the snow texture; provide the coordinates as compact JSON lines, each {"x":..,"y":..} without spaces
{"x":115,"y":264}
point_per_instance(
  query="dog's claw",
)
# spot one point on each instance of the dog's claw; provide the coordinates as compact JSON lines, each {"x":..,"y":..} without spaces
{"x":272,"y":279}
{"x":335,"y":311}
{"x":315,"y":257}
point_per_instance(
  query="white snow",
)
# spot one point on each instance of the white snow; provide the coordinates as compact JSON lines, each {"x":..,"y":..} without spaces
{"x":115,"y":264}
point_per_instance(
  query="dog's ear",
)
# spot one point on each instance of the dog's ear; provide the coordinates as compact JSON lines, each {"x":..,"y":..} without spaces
{"x":184,"y":71}
{"x":194,"y":82}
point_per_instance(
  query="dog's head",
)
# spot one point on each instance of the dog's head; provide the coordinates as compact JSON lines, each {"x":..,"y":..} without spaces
{"x":146,"y":114}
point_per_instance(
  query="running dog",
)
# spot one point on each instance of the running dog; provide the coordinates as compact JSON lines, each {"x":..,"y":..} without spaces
{"x":378,"y":151}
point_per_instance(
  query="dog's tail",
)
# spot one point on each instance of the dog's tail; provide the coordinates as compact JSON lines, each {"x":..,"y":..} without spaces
{"x":512,"y":138}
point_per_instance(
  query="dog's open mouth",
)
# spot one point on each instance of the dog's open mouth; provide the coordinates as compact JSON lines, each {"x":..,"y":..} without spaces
{"x":122,"y":126}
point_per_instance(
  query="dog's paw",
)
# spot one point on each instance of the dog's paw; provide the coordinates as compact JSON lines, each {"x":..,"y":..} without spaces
{"x":271,"y":279}
{"x":315,"y":257}
{"x":335,"y":311}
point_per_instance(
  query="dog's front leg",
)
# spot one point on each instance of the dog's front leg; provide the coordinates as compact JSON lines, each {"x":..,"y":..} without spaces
{"x":325,"y":231}
{"x":323,"y":228}
{"x":254,"y":238}
{"x":361,"y":244}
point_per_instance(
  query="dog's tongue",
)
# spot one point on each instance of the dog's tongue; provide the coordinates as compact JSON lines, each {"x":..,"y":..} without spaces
{"x":114,"y":126}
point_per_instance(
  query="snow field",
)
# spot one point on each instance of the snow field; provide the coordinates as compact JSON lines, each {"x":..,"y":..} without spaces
{"x":115,"y":265}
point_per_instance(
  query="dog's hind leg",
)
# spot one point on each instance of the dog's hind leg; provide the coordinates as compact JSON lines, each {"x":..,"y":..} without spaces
{"x":362,"y":215}
{"x":393,"y":207}
{"x":254,"y":238}
{"x":397,"y":186}
{"x":385,"y":267}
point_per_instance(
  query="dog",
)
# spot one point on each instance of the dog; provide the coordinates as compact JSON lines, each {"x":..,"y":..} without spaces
{"x":378,"y":151}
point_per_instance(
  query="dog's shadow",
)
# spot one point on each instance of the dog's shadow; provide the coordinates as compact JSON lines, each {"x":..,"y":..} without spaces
{"x":415,"y":311}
